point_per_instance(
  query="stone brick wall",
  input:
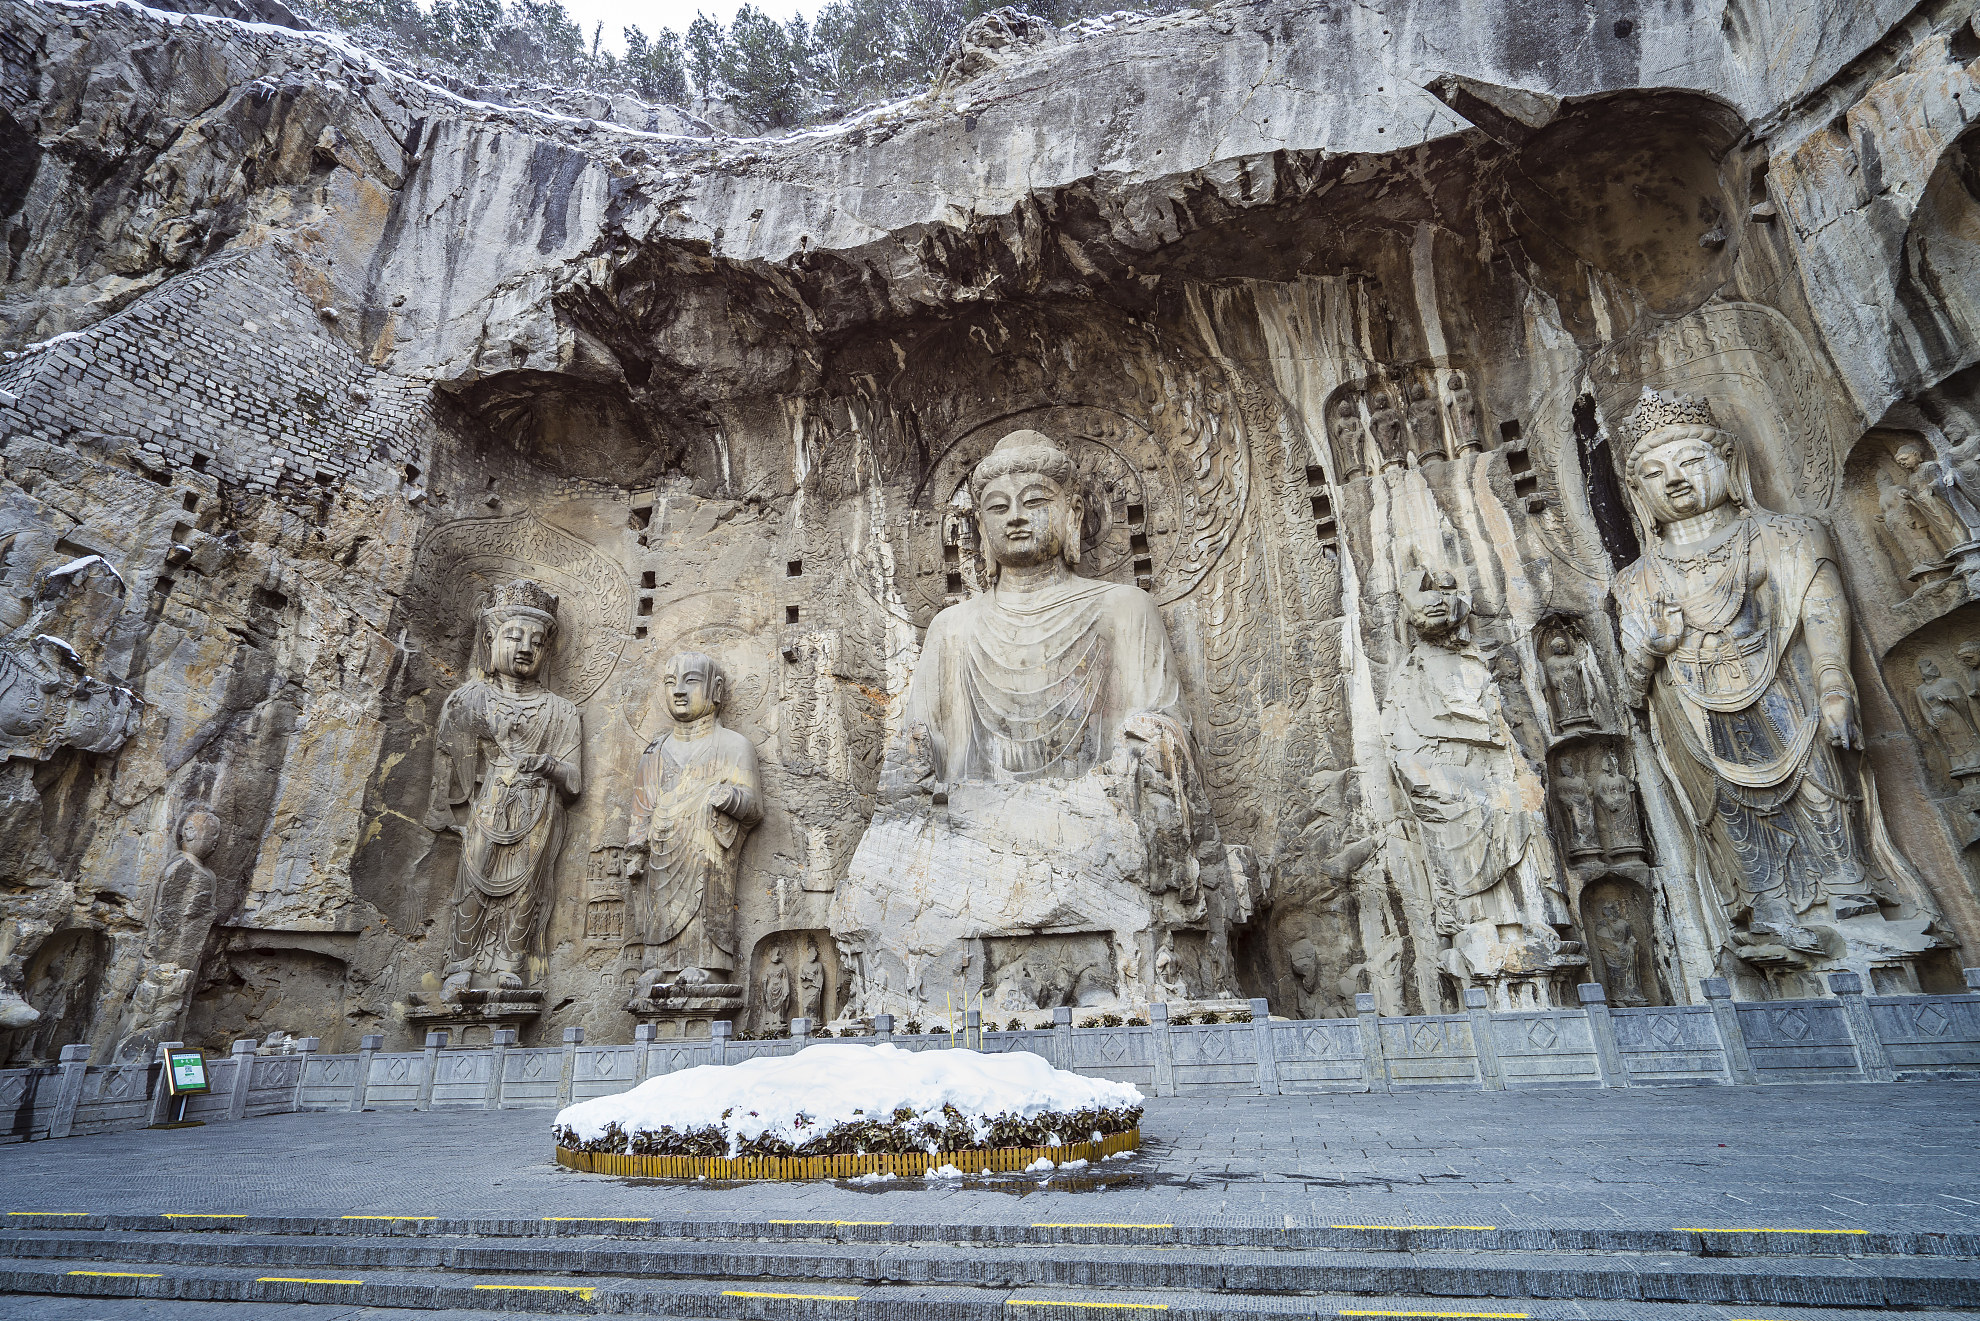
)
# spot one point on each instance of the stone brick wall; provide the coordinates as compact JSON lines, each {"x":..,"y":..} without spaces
{"x":228,"y":370}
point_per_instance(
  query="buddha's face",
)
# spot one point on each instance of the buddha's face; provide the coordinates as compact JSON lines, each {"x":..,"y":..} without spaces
{"x":1969,"y":655}
{"x":693,"y":689}
{"x":1434,"y":603}
{"x":517,"y":646}
{"x":199,"y":833}
{"x":1026,"y":518}
{"x":1909,"y":457}
{"x":1682,"y":479}
{"x":1926,"y":668}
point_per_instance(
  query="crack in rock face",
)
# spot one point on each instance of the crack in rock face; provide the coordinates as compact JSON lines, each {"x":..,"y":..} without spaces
{"x":1350,"y":507}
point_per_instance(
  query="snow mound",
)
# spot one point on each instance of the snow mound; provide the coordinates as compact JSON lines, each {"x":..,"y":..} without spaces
{"x":793,"y":1103}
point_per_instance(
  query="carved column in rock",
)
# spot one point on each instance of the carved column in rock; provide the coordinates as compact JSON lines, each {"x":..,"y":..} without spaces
{"x":1736,"y":632}
{"x":508,"y":750}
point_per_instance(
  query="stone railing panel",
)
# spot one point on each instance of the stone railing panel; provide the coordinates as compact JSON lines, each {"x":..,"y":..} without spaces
{"x":1215,"y":1057}
{"x":531,"y":1077}
{"x":1545,"y":1048}
{"x":1671,"y":1045}
{"x":395,"y":1080}
{"x":1799,"y":1041}
{"x":1119,"y":1054}
{"x":1319,"y":1055}
{"x":1929,"y":1036}
{"x":1433,"y":1052}
{"x":113,"y":1098}
{"x":461,"y":1078}
{"x":603,"y":1071}
{"x":327,"y":1082}
{"x":272,"y":1083}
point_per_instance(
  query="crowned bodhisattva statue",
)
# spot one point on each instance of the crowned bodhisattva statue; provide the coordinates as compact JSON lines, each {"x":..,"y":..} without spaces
{"x":1736,"y":635}
{"x":696,"y":795}
{"x":1041,"y":795}
{"x":508,"y":749}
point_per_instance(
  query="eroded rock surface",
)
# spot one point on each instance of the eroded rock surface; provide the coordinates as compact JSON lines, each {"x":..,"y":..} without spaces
{"x":1325,"y":302}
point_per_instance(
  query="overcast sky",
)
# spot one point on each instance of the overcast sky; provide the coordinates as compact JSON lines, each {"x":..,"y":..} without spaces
{"x":652,"y":15}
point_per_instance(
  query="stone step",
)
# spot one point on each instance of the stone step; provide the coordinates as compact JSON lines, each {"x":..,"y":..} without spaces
{"x":1685,"y":1241}
{"x":826,"y":1300}
{"x":1805,"y":1281}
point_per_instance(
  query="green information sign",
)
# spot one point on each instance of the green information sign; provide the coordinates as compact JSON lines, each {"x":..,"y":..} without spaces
{"x":186,"y":1072}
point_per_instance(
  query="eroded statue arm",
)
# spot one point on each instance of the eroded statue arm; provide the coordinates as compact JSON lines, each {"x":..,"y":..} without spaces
{"x":453,"y":766}
{"x":1651,"y":631}
{"x":1825,"y":625}
{"x":740,"y":795}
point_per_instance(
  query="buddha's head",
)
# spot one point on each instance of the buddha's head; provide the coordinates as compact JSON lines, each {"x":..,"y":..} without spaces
{"x":1680,"y":463}
{"x":520,"y":622}
{"x":1927,"y":668}
{"x":1436,"y":605}
{"x":694,"y":686}
{"x":1969,"y":654}
{"x":1028,"y":503}
{"x":199,"y":831}
{"x":1909,"y":455}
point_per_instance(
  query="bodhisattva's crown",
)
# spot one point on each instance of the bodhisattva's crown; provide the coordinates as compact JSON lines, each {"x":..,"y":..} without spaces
{"x":522,"y":594}
{"x":1657,"y":411}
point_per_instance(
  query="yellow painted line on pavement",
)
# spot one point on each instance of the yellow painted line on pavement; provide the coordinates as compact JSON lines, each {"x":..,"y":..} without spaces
{"x":293,"y":1279}
{"x":831,"y":1222}
{"x":1053,"y":1302}
{"x":612,"y":1220}
{"x":1093,"y":1224}
{"x":808,"y":1297}
{"x":204,"y":1215}
{"x":1692,"y":1229}
{"x":584,"y":1293}
{"x":1496,"y":1316}
{"x":122,"y":1275}
{"x":51,"y":1213}
{"x":1480,"y":1228}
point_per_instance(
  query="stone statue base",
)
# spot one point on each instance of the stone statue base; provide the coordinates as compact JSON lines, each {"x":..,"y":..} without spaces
{"x":686,"y":1009}
{"x":474,"y":1016}
{"x":1058,"y":863}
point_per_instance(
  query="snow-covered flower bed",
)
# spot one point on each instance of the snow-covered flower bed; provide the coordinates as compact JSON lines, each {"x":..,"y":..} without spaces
{"x":832,"y":1100}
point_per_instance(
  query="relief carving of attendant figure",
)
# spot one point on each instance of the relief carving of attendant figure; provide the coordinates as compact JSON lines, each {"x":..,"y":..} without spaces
{"x":695,"y":797}
{"x":1575,"y":795}
{"x":1476,"y":809}
{"x":1621,"y":953}
{"x":182,"y":914}
{"x":1615,"y":811}
{"x":1919,"y":551}
{"x":1386,"y":427}
{"x":508,"y":749}
{"x":1735,"y":633}
{"x":1043,"y":779}
{"x":1570,"y":689}
{"x":776,"y":1005}
{"x":1464,"y":415}
{"x":1350,"y":438}
{"x":1945,"y":709}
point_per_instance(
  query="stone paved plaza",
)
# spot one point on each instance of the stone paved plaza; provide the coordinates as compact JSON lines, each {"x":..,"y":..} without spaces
{"x":1816,"y":1157}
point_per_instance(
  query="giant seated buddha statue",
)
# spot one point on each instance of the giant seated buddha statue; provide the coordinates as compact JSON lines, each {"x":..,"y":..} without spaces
{"x":1042,"y":836}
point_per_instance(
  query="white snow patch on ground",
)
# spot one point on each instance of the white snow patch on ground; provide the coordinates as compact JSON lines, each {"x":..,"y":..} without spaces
{"x":944,"y":1172}
{"x":1042,"y":1163}
{"x":831,"y":1084}
{"x":878,"y":1176}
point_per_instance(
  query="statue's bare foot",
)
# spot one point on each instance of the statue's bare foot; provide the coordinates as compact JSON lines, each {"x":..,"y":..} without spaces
{"x":450,"y":990}
{"x":508,"y":981}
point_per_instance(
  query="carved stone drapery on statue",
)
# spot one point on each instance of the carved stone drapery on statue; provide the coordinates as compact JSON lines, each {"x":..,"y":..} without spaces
{"x":1043,"y":792}
{"x":1736,"y":632}
{"x":508,"y":749}
{"x":696,"y":796}
{"x":1476,"y":810}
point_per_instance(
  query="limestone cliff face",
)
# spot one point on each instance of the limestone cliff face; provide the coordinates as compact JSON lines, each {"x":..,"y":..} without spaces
{"x":312,"y":353}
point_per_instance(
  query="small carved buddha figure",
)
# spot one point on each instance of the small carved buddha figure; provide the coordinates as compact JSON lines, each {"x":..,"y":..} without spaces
{"x":1426,"y":425}
{"x":1615,"y":811}
{"x":508,"y":748}
{"x":1621,"y":951}
{"x":1568,"y":687}
{"x":1919,"y":553}
{"x":776,"y":1004}
{"x":1930,"y":485}
{"x":1575,"y":796}
{"x":811,"y":984}
{"x":1350,"y":437}
{"x":1735,"y":633}
{"x":696,"y":795}
{"x":1385,"y":425}
{"x":1945,"y":710}
{"x":1464,"y":415}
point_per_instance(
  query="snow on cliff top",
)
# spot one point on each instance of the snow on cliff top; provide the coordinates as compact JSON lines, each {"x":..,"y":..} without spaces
{"x":833,"y":1084}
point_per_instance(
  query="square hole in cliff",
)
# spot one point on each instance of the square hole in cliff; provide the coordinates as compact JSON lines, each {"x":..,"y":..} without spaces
{"x":790,"y":614}
{"x":794,"y":569}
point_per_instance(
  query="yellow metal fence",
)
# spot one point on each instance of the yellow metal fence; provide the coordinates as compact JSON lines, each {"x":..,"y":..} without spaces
{"x":1001,"y":1160}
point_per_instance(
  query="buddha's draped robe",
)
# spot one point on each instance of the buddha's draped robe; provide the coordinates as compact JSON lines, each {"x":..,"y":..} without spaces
{"x":690,"y":904}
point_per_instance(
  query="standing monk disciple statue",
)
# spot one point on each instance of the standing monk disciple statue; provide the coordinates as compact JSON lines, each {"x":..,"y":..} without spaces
{"x":695,"y":796}
{"x":507,"y":747}
{"x":1943,"y":706}
{"x":1042,"y":781}
{"x":1570,"y":693}
{"x":1735,"y":634}
{"x":1474,"y":807}
{"x":776,"y":1002}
